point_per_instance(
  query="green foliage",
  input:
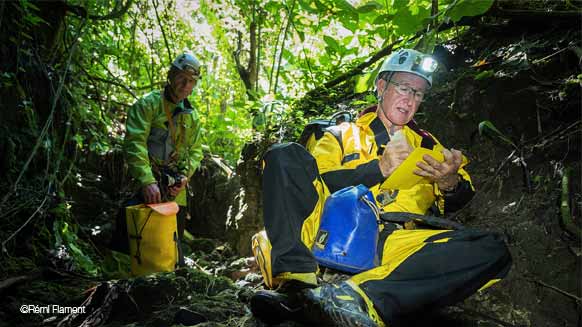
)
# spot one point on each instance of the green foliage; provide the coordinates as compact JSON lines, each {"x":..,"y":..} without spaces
{"x":67,"y":244}
{"x":484,"y":74}
{"x":487,"y":128}
{"x":467,"y":8}
{"x":31,"y":14}
{"x":116,"y":265}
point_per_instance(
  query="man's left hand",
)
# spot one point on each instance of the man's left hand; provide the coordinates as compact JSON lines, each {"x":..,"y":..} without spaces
{"x":443,"y":173}
{"x":178,"y":187}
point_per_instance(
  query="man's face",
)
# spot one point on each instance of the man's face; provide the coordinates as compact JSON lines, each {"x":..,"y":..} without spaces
{"x":183,"y":84}
{"x":399,"y":108}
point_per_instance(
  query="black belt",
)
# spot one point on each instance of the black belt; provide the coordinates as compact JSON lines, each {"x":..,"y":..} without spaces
{"x":404,"y":217}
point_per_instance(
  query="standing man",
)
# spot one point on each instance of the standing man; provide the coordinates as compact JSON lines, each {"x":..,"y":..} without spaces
{"x":163,"y":139}
{"x":418,"y":269}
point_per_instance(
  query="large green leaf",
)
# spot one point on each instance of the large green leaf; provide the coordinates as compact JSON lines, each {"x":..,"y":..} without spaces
{"x":331,"y":43}
{"x":344,"y":5}
{"x":369,"y":7}
{"x":410,"y":19}
{"x":306,"y":5}
{"x":487,"y":127}
{"x":362,"y":83}
{"x":349,"y":19}
{"x":469,"y":8}
{"x":351,"y":24}
{"x":383,"y":19}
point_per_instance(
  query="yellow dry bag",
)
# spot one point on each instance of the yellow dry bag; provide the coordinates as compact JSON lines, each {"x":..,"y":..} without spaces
{"x":262,"y":252}
{"x":153,"y":236}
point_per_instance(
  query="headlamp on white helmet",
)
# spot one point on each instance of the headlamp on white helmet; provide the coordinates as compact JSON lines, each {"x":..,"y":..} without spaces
{"x":188,"y":63}
{"x":410,"y":61}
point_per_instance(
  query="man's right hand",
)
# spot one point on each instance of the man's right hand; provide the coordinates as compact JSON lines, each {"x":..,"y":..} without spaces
{"x":394,"y":154}
{"x":151,"y":193}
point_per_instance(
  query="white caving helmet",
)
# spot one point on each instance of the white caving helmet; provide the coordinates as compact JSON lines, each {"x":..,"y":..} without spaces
{"x":188,"y":63}
{"x":410,"y":61}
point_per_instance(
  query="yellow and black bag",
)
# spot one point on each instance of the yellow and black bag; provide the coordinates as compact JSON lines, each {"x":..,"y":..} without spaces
{"x":153,"y":237}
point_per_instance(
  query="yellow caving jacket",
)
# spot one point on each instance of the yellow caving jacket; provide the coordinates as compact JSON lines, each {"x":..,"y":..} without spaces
{"x":348,"y":154}
{"x":150,"y":143}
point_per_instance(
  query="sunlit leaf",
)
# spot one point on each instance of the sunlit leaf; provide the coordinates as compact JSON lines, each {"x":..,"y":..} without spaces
{"x":486,"y":127}
{"x":362,"y":83}
{"x":369,"y":6}
{"x":306,"y":5}
{"x":383,"y":19}
{"x":345,"y":5}
{"x":331,"y":43}
{"x":469,"y":8}
{"x":408,"y":22}
{"x":351,"y":24}
{"x":484,"y":74}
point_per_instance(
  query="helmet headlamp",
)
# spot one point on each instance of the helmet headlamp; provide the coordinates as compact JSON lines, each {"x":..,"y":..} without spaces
{"x":428,"y":64}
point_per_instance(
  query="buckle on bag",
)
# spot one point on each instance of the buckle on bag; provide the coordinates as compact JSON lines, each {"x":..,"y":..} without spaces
{"x":387,"y":197}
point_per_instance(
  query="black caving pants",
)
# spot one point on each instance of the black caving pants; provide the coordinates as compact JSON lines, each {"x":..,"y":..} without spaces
{"x":418,"y":268}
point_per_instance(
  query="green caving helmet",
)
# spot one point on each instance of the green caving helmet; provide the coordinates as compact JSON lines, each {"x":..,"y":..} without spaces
{"x":410,"y":61}
{"x":187,"y":62}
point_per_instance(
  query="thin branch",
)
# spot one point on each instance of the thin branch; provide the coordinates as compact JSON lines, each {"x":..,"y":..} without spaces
{"x":101,"y":79}
{"x":259,"y":43}
{"x":122,"y":104}
{"x":533,"y":14}
{"x":16,"y":208}
{"x":252,"y":65}
{"x":558,"y":133}
{"x":150,"y":86}
{"x":117,"y":12}
{"x":170,"y":56}
{"x":359,"y":68}
{"x":4,"y":250}
{"x":49,"y":120}
{"x":305,"y":57}
{"x":570,"y":295}
{"x":289,"y":19}
{"x":272,"y":72}
{"x":551,"y":55}
{"x":18,"y":280}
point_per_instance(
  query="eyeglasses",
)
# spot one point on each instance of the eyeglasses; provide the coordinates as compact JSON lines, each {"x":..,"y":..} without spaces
{"x":406,"y":90}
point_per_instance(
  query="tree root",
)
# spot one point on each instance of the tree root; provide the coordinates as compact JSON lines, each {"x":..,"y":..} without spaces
{"x":570,"y":295}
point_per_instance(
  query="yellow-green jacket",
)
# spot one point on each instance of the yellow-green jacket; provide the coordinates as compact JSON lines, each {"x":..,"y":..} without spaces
{"x":355,"y":161}
{"x":149,"y":143}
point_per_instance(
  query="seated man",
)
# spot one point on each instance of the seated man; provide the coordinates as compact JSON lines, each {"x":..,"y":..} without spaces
{"x":417,"y":269}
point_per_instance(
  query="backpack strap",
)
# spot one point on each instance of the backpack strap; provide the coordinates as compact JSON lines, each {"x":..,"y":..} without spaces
{"x":336,"y":131}
{"x":428,"y":142}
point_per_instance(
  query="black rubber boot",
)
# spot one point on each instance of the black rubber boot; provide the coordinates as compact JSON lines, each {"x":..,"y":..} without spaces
{"x":336,"y":305}
{"x":275,"y":307}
